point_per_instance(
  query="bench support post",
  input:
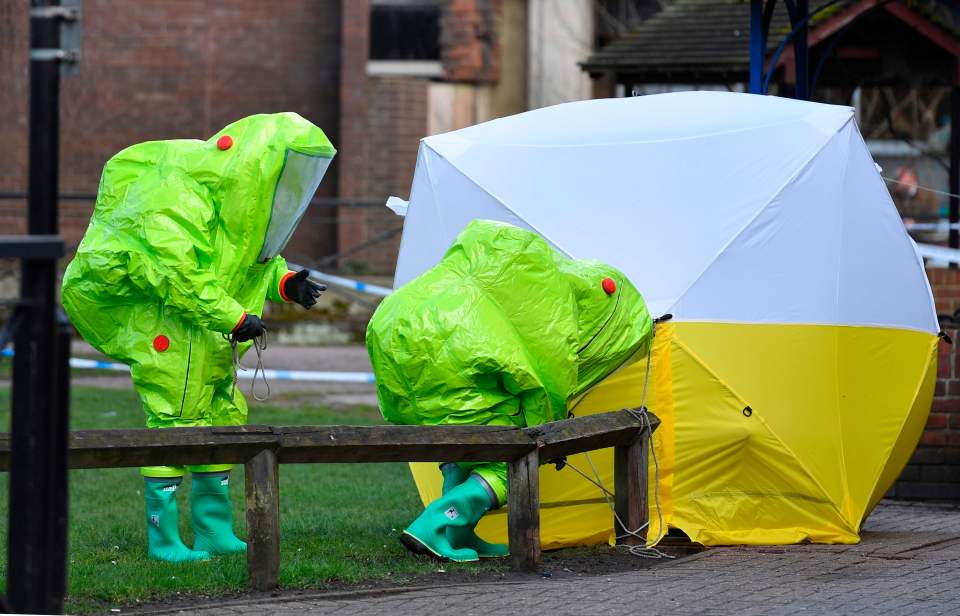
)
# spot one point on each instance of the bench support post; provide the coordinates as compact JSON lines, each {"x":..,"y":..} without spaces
{"x":630,"y":487}
{"x":523,"y":513}
{"x":263,"y":520}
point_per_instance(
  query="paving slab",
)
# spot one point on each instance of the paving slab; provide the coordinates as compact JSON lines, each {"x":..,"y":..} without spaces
{"x":907,"y":563}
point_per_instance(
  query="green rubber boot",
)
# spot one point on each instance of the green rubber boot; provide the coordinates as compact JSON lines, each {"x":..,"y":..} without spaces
{"x":462,"y":506}
{"x":212,"y":516}
{"x":453,"y":475}
{"x":466,"y":536}
{"x":163,"y":523}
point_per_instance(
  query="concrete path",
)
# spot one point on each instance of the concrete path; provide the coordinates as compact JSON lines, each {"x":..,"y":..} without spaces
{"x":908,"y":563}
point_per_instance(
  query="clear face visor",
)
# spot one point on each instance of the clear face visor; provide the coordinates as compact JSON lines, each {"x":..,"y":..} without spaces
{"x":299,"y":179}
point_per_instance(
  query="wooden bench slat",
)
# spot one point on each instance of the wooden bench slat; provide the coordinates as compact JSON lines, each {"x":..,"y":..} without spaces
{"x":403,"y":453}
{"x":161,"y":456}
{"x":403,"y":444}
{"x":562,"y":438}
{"x":319,"y":444}
{"x":396,"y":431}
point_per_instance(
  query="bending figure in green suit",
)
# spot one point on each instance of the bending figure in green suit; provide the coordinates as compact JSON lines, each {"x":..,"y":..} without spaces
{"x":503,"y":331}
{"x":180,"y":255}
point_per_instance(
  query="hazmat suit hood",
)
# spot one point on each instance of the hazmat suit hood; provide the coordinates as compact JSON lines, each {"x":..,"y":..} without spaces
{"x":259,"y":174}
{"x":230,"y":202}
{"x":607,"y":308}
{"x":503,"y":331}
{"x":265,"y":188}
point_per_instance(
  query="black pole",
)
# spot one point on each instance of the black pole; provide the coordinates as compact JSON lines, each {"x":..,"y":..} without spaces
{"x":801,"y":54}
{"x":955,"y":157}
{"x":757,"y":47}
{"x":36,"y":545}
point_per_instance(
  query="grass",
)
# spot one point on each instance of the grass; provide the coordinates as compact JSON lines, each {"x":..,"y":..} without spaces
{"x":339,"y":522}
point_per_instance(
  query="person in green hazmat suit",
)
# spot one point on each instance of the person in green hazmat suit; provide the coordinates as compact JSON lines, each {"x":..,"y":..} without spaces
{"x":180,"y":255}
{"x":504,"y":331}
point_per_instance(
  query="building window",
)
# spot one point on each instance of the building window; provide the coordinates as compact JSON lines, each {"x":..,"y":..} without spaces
{"x":405,"y":30}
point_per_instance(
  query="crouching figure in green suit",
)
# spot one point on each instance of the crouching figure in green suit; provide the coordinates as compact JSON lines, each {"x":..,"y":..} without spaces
{"x":180,"y":255}
{"x":504,"y":331}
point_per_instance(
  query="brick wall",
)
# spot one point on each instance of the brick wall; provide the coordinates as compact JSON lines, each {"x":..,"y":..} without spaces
{"x":14,"y":81}
{"x":946,"y":289}
{"x":384,"y":119}
{"x":394,"y":119}
{"x":163,"y":69}
{"x":355,"y":23}
{"x":166,"y":69}
{"x":469,"y":42}
{"x":397,"y":120}
{"x":933,"y":472}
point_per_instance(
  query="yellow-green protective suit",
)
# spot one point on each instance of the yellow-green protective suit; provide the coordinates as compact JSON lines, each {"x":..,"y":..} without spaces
{"x":184,"y":240}
{"x":503,"y":331}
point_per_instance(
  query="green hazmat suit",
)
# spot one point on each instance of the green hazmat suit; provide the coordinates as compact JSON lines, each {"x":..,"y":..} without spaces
{"x":184,"y":240}
{"x":503,"y":331}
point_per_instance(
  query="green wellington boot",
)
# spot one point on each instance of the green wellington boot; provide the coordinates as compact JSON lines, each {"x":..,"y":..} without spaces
{"x":212,"y":516}
{"x":466,"y":536}
{"x":462,"y":506}
{"x":163,"y":530}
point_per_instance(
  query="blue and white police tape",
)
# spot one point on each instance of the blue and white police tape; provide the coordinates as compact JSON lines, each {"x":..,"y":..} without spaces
{"x":277,"y":375}
{"x":941,"y":226}
{"x":311,"y":375}
{"x":939,"y":256}
{"x":346,"y":283}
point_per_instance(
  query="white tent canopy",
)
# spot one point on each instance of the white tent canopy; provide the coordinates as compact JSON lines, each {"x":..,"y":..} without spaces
{"x":716,"y":205}
{"x":797,"y":374}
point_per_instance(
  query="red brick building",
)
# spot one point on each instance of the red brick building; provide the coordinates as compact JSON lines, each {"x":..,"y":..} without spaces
{"x":171,"y":69}
{"x":934,"y":471}
{"x":397,"y":92}
{"x":167,"y":69}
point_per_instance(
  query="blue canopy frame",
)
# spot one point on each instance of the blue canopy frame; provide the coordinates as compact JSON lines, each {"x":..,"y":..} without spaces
{"x":760,"y":15}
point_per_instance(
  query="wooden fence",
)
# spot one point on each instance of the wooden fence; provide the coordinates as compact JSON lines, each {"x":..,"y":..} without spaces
{"x":262,"y":448}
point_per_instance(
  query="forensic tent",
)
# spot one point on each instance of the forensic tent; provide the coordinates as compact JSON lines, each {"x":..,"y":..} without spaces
{"x":797,"y":372}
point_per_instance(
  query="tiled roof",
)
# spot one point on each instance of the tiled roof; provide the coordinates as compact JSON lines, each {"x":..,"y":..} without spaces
{"x":711,"y":36}
{"x":707,"y":39}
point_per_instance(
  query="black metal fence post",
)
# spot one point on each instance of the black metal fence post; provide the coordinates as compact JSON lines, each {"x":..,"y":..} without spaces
{"x":36,"y":546}
{"x":801,"y":53}
{"x":954,"y":203}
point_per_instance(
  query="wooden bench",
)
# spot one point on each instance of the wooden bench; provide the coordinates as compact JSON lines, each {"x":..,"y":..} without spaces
{"x":262,"y":448}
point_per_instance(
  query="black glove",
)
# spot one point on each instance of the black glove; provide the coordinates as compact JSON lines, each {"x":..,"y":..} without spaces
{"x":249,"y":328}
{"x":298,"y":288}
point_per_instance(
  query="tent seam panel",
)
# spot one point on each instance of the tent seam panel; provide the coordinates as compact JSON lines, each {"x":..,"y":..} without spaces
{"x":755,"y":215}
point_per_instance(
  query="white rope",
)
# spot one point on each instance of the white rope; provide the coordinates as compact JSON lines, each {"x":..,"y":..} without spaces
{"x":933,"y":190}
{"x":259,"y":345}
{"x":605,"y":491}
{"x":647,"y":549}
